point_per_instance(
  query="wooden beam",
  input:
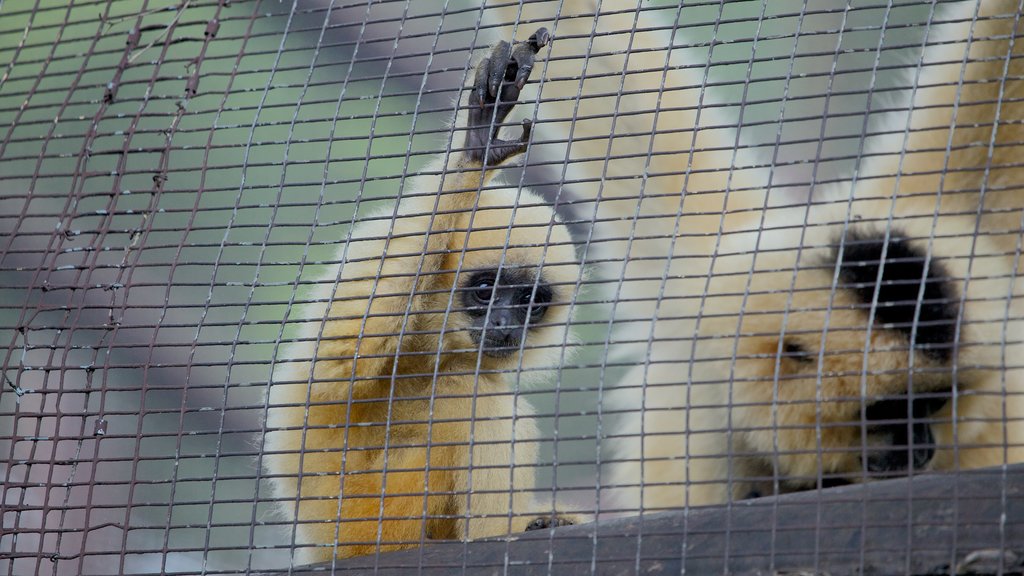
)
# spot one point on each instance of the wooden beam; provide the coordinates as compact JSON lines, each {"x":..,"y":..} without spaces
{"x":966,"y":523}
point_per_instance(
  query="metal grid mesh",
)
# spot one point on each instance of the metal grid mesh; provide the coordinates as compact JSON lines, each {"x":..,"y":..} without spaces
{"x":177,"y":179}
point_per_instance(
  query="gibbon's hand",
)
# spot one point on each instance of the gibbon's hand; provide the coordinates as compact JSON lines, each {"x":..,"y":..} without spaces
{"x":554,"y":521}
{"x":499,"y":79}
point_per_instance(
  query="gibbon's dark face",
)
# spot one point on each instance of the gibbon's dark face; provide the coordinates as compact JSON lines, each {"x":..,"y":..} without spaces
{"x":914,"y":298}
{"x":500,"y":305}
{"x":860,"y":372}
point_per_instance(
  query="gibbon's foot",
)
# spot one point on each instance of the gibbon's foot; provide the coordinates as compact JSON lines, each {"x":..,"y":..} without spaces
{"x":553,"y":521}
{"x":499,"y":79}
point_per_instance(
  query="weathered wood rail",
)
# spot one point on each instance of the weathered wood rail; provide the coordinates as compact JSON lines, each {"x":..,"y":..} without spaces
{"x":966,"y":523}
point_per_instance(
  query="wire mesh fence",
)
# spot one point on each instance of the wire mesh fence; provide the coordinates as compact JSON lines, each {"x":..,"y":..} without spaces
{"x":745,"y":299}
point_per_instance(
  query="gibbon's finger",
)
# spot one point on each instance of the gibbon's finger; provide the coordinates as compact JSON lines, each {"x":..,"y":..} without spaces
{"x":523,"y":56}
{"x":498,"y":61}
{"x":478,"y":95}
{"x":544,"y":522}
{"x":501,"y":150}
{"x":527,"y":128}
{"x":508,"y":100}
{"x":539,"y":39}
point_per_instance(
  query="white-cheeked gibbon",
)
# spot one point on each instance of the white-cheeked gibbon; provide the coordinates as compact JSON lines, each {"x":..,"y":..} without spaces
{"x":873,"y":333}
{"x":395,"y":419}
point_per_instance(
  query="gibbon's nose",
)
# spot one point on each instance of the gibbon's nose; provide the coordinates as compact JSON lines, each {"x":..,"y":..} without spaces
{"x":503,"y":327}
{"x":896,"y":444}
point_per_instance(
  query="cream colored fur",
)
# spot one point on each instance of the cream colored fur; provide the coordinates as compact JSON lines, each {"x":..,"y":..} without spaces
{"x":692,"y":261}
{"x":386,"y":426}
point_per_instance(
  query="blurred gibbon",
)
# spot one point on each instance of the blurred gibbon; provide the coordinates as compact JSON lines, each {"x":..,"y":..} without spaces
{"x":872,"y":333}
{"x":395,"y":419}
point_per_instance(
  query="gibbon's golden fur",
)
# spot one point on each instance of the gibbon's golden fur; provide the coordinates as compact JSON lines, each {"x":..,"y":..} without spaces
{"x":784,"y":349}
{"x":395,"y":418}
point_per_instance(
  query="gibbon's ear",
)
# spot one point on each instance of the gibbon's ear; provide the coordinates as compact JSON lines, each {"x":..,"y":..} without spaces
{"x":915,"y":294}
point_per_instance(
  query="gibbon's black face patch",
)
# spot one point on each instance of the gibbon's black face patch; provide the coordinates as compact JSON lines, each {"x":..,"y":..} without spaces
{"x":500,"y":305}
{"x":899,"y":288}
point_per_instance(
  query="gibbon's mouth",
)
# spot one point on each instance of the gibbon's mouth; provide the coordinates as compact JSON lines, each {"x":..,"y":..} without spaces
{"x":899,"y":436}
{"x":500,"y":347}
{"x":899,"y":439}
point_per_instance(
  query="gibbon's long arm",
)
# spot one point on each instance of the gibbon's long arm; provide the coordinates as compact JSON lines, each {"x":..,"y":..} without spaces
{"x":959,"y":155}
{"x":421,"y":234}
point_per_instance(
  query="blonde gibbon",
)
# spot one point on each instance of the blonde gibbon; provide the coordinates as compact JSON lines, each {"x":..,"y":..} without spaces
{"x":868,"y":336}
{"x":395,"y":418}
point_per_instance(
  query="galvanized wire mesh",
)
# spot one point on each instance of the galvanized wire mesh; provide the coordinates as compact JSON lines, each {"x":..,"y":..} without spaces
{"x":766,"y":235}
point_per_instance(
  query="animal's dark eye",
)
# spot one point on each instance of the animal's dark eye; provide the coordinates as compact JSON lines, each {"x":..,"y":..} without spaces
{"x":539,"y":305}
{"x":795,"y":351}
{"x":483,"y":290}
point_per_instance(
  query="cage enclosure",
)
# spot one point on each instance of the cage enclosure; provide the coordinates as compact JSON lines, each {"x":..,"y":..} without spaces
{"x":490,"y":287}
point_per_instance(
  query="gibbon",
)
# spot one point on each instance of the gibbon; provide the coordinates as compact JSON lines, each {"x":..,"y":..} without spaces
{"x":782,"y":349}
{"x":395,"y":418}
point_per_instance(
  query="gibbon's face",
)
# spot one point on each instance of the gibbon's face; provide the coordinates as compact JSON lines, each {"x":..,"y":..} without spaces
{"x":846,"y":386}
{"x":501,"y":305}
{"x":514,"y":281}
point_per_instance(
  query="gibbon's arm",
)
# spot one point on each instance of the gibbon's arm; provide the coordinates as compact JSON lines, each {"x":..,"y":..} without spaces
{"x":392,"y":259}
{"x":959,"y":154}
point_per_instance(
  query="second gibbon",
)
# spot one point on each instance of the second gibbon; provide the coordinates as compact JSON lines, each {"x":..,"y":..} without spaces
{"x":395,"y":418}
{"x":875,"y":337}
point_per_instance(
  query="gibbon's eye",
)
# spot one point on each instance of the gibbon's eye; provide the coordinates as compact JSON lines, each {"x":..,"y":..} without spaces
{"x":795,"y":351}
{"x":541,"y":299}
{"x":483,"y":290}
